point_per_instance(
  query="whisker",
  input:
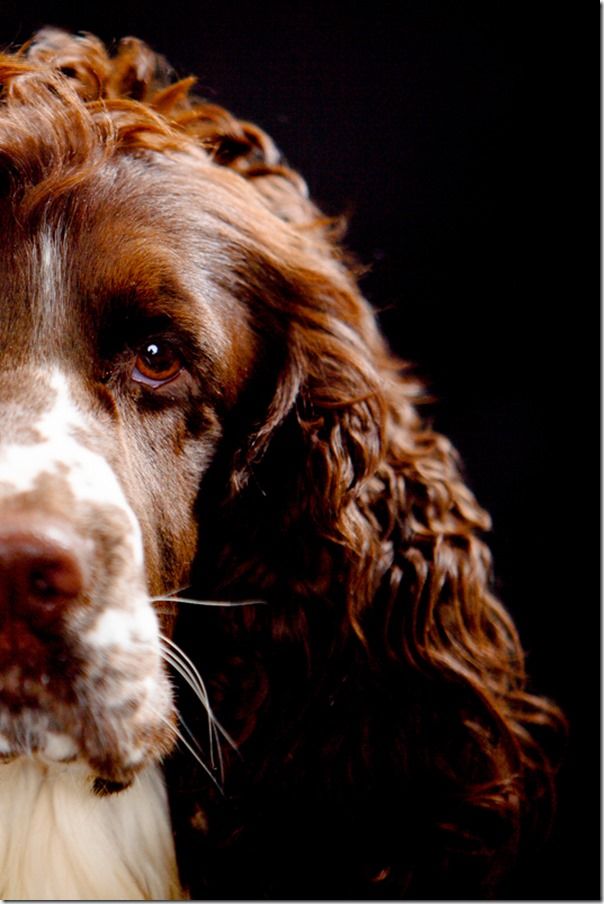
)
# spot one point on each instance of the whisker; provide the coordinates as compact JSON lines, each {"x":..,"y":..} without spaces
{"x":186,"y":668}
{"x":188,"y":663}
{"x":199,"y":689}
{"x":177,"y":659}
{"x":212,"y":735}
{"x":227,"y":604}
{"x":179,"y":735}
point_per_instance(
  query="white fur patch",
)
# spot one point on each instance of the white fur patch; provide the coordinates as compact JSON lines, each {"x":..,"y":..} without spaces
{"x":59,"y":747}
{"x":122,"y":628}
{"x":58,"y":453}
{"x":59,"y":841}
{"x":47,"y":266}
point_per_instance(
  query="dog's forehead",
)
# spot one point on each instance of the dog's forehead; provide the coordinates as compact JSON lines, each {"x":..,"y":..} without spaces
{"x":56,"y":277}
{"x":34,"y":288}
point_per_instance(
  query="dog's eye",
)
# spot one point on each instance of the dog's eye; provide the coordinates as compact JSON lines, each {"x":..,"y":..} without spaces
{"x":157,"y":362}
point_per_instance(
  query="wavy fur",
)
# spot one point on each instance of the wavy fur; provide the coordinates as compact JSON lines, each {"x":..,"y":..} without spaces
{"x":388,"y":742}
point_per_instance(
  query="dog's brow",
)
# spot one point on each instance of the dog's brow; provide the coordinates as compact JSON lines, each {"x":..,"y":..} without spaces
{"x":132,"y":315}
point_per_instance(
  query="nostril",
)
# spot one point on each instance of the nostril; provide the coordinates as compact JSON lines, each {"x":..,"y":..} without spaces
{"x":52,"y":583}
{"x":40,"y":583}
{"x":59,"y":577}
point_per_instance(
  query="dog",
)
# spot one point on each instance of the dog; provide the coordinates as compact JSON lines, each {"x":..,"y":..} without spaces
{"x":197,"y":405}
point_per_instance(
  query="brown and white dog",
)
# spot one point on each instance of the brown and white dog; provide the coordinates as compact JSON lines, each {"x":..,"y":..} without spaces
{"x":193,"y":392}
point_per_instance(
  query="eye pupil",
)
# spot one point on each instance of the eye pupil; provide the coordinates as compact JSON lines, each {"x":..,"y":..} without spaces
{"x":153,"y":353}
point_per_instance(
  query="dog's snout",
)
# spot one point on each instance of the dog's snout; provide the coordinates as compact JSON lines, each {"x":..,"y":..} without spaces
{"x":40,"y":571}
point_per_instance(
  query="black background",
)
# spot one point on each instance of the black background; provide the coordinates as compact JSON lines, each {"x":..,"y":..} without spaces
{"x":460,"y":138}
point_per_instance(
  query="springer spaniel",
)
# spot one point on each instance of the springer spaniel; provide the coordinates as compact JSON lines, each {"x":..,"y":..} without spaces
{"x":196,"y":403}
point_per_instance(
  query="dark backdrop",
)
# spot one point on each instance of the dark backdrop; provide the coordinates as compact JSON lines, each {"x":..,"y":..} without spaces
{"x":460,"y":139}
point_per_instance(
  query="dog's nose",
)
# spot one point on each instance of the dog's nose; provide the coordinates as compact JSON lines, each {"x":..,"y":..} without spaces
{"x":40,"y":572}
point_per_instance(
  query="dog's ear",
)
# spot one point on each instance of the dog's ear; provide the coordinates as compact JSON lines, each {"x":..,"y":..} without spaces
{"x":360,"y":511}
{"x":355,"y":466}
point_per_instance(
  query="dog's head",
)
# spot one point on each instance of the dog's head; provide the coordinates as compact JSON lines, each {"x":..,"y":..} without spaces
{"x":168,"y":291}
{"x":190,"y":375}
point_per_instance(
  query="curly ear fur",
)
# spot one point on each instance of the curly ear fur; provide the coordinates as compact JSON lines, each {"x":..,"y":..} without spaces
{"x":350,"y":517}
{"x":379,"y":699}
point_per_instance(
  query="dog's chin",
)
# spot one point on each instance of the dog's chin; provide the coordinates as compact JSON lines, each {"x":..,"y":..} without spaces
{"x":79,"y":747}
{"x":99,"y":785}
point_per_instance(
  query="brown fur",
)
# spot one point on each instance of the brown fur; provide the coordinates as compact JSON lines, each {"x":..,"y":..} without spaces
{"x":388,"y":741}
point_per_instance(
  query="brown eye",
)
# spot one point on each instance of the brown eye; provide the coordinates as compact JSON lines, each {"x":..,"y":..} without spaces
{"x":157,"y":363}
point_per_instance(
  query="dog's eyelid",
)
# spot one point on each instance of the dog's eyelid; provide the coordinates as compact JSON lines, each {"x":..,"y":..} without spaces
{"x":139,"y":377}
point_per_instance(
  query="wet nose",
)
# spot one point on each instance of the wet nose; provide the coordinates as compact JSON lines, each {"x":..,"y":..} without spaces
{"x":40,"y":571}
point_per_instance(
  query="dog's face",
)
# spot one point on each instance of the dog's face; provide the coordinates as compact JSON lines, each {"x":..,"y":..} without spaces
{"x":123,"y":344}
